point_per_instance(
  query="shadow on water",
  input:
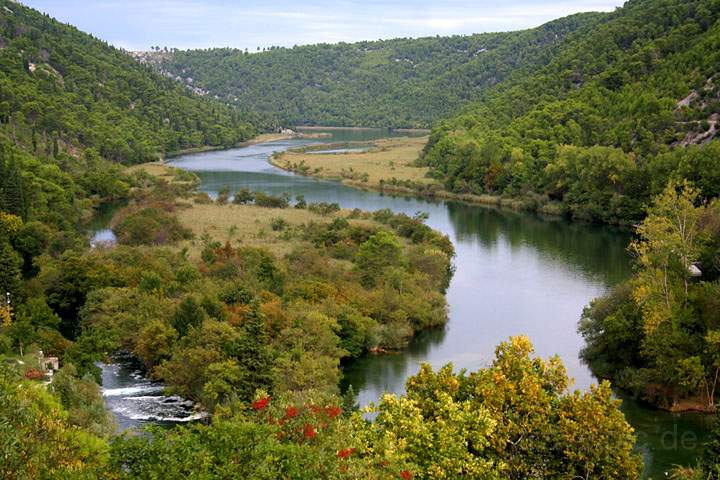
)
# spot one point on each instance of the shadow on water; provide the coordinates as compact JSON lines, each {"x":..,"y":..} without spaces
{"x":372,"y":378}
{"x":666,"y":439}
{"x":99,"y":228}
{"x":597,"y":250}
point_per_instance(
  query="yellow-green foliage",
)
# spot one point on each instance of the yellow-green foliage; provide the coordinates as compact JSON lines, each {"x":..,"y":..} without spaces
{"x":512,"y":420}
{"x":657,"y":335}
{"x":235,"y":316}
{"x":36,"y":438}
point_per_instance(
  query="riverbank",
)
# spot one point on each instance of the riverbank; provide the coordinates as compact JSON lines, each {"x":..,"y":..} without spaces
{"x":362,"y":129}
{"x":515,"y":273}
{"x":304,"y":268}
{"x":388,"y":166}
{"x":262,"y":138}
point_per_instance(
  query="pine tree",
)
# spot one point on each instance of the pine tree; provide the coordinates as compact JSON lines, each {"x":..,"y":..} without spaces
{"x":3,"y":176}
{"x":10,"y":265}
{"x":349,"y":401}
{"x":12,"y":186}
{"x":188,"y":315}
{"x":253,"y":354}
{"x":56,"y":146}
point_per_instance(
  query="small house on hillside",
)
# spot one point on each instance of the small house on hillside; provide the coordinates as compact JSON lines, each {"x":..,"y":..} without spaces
{"x":49,"y":364}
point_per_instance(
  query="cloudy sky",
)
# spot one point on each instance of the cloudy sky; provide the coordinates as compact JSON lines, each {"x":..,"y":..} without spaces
{"x":139,"y":24}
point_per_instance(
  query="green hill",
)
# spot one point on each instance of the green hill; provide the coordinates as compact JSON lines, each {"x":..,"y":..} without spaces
{"x":619,"y":111}
{"x":396,"y":83}
{"x":70,"y":103}
{"x":59,"y":83}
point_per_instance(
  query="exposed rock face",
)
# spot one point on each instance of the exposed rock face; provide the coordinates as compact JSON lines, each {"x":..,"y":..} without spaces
{"x":705,"y":100}
{"x":156,"y":59}
{"x":687,"y":101}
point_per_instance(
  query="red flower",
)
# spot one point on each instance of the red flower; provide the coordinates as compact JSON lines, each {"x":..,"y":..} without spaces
{"x":260,"y":403}
{"x":291,"y":412}
{"x":309,"y":431}
{"x":333,"y":412}
{"x":405,"y":475}
{"x":345,"y":452}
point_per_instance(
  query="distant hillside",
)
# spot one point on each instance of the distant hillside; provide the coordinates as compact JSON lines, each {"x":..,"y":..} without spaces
{"x":62,"y":85}
{"x":397,"y":83}
{"x":618,"y":112}
{"x":71,"y":107}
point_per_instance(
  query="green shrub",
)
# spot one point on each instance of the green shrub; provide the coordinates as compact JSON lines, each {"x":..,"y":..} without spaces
{"x":243,"y":197}
{"x":271,"y":201}
{"x":150,"y":226}
{"x":223,"y":196}
{"x":278,"y":224}
{"x":324,"y":208}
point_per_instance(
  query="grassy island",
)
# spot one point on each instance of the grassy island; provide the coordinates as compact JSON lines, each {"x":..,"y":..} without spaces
{"x":392,"y":165}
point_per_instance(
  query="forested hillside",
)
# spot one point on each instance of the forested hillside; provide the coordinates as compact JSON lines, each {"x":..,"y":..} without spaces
{"x":246,"y":304}
{"x":71,"y":107}
{"x":62,"y":89}
{"x":389,"y":83}
{"x":619,"y":111}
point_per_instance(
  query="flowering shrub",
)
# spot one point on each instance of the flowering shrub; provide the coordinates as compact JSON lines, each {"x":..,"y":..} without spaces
{"x":260,"y":403}
{"x":298,"y":423}
{"x":309,"y":431}
{"x":345,"y":452}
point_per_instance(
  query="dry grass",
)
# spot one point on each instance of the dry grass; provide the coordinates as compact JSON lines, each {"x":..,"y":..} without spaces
{"x":273,"y":137}
{"x":239,"y":224}
{"x":389,"y":158}
{"x":247,"y":225}
{"x":157,"y":169}
{"x":251,"y":225}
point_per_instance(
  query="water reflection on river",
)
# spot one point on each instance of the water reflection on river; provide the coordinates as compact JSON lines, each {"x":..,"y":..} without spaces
{"x":516,"y":274}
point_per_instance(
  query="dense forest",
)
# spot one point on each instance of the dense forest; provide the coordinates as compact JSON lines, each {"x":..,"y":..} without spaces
{"x":657,"y":335}
{"x":71,"y":109}
{"x":61,"y":89}
{"x":618,"y":112}
{"x":255,"y":339}
{"x":606,"y":117}
{"x":387,"y":83}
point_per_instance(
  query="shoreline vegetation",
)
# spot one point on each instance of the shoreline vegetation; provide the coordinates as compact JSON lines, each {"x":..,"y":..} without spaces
{"x":390,"y":166}
{"x":283,"y":226}
{"x":261,"y":138}
{"x":395,"y":158}
{"x":361,"y":129}
{"x":254,"y":333}
{"x":656,"y":335}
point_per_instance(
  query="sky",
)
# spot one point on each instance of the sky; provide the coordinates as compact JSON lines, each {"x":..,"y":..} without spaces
{"x":140,"y":24}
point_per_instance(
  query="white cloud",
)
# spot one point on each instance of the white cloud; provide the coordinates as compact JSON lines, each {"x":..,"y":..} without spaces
{"x":138,"y":24}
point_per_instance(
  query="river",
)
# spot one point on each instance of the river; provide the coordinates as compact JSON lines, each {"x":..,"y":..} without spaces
{"x":515,"y":274}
